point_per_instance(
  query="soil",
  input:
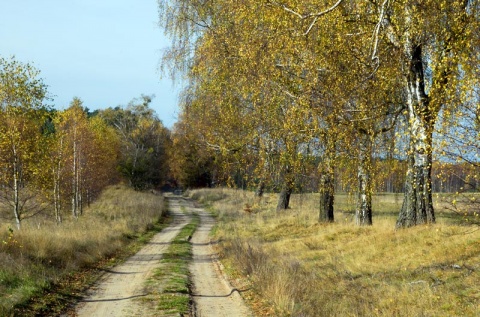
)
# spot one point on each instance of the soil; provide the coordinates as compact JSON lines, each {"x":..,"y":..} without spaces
{"x":119,"y":291}
{"x":212,"y":294}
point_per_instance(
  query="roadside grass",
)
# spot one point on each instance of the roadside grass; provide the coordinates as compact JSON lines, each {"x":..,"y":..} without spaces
{"x":298,"y":267}
{"x":44,"y":267}
{"x":169,"y":286}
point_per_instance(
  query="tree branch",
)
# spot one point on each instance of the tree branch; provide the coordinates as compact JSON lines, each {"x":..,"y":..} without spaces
{"x":315,"y":16}
{"x":319,"y":14}
{"x":377,"y":31}
{"x":284,"y":7}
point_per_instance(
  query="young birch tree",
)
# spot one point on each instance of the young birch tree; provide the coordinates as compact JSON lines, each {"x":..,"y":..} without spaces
{"x":22,"y":114}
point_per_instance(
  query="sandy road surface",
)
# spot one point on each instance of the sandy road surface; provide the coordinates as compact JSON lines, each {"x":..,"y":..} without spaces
{"x":212,"y":294}
{"x":117,"y":292}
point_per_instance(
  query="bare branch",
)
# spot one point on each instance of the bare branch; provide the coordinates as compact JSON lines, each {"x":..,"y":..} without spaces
{"x":200,"y":23}
{"x":377,"y":31}
{"x":355,"y":34}
{"x":315,"y":16}
{"x":319,"y":14}
{"x":220,"y":148}
{"x":311,"y":26}
{"x":289,"y":94}
{"x":284,"y":7}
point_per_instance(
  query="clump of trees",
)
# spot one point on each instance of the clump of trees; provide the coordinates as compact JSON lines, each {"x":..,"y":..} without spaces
{"x":144,"y":143}
{"x":58,"y":161}
{"x":344,"y":92}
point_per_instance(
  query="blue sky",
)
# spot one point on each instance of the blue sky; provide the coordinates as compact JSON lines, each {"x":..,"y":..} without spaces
{"x":106,"y":52}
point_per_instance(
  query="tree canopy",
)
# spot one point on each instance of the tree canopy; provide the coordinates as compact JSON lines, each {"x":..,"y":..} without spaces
{"x":280,"y":88}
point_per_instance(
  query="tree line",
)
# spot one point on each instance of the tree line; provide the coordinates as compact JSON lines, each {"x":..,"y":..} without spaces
{"x":283,"y":96}
{"x":342,"y":91}
{"x":55,"y":162}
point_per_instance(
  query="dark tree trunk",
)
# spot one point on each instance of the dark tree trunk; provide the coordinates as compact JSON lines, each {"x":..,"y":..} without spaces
{"x":327,"y":184}
{"x":327,"y":196}
{"x":284,"y":197}
{"x":260,"y":189}
{"x":417,"y":205}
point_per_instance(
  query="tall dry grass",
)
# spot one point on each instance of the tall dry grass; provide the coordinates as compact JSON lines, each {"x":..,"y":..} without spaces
{"x":43,"y":253}
{"x":302,"y":268}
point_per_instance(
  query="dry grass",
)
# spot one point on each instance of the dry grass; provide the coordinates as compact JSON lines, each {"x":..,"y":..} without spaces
{"x":302,"y":268}
{"x":43,"y":253}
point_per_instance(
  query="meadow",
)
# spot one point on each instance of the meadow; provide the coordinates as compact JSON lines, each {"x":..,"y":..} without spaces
{"x":291,"y":265}
{"x":42,"y":265}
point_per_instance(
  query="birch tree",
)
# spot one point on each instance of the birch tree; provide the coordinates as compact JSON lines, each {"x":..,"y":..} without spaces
{"x":336,"y":74}
{"x":251,"y":82}
{"x":73,"y":132}
{"x":22,"y":114}
{"x":431,"y":39}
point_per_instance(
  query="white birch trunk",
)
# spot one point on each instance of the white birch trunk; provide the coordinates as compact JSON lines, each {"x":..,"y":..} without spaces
{"x":74,"y":178}
{"x":16,"y":189}
{"x":417,"y":205}
{"x":57,"y":171}
{"x":363,"y":212}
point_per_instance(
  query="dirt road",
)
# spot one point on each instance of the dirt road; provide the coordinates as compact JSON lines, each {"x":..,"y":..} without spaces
{"x":119,"y":290}
{"x":212,"y":294}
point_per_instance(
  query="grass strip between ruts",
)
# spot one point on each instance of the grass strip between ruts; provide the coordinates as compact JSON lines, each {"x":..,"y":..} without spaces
{"x":170,"y":283}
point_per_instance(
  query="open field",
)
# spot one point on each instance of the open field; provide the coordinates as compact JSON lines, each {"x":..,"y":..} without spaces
{"x":298,"y":267}
{"x":43,"y":254}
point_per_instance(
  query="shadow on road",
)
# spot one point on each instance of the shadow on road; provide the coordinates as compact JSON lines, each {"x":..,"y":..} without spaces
{"x":110,"y":299}
{"x":227,"y":295}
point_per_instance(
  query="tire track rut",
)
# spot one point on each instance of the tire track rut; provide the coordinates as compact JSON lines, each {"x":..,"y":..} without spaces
{"x":117,"y":292}
{"x":212,"y":294}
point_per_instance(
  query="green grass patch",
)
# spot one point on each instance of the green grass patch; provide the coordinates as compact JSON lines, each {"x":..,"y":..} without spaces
{"x":169,"y":287}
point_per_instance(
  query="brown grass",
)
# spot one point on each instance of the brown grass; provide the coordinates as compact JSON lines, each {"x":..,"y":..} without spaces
{"x":302,"y":268}
{"x":43,"y":253}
